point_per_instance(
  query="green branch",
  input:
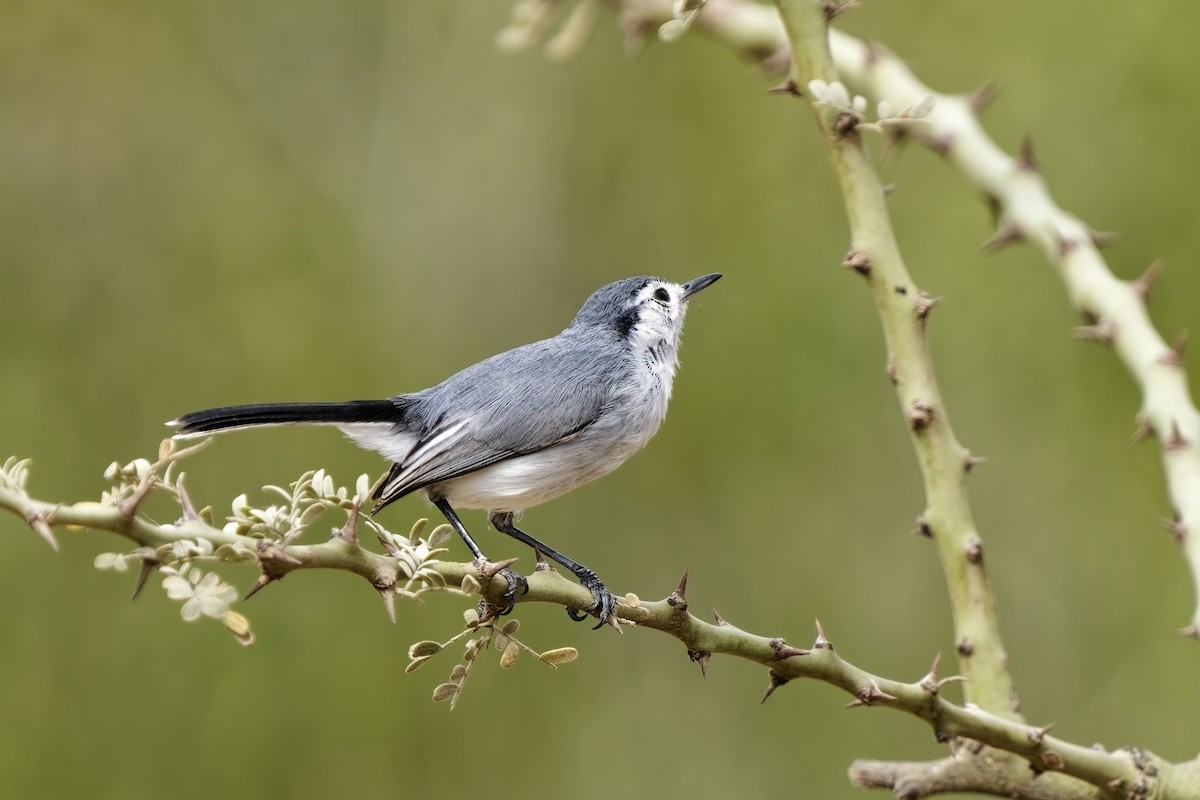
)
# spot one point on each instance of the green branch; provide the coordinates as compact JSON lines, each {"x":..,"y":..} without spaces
{"x":903,"y":309}
{"x":409,"y":568}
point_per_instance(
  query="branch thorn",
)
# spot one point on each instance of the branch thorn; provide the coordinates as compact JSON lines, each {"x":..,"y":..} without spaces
{"x":259,"y":584}
{"x":678,"y":598}
{"x":821,"y":643}
{"x":787,"y":87}
{"x":1007,"y":233}
{"x":777,"y":680}
{"x":144,"y":571}
{"x":389,"y":602}
{"x":869,"y":695}
{"x":930,"y":682}
{"x":970,"y":462}
{"x":982,"y":97}
{"x":1026,"y":162}
{"x":924,"y":303}
{"x":783,"y":650}
{"x":129,"y":507}
{"x":37,"y":521}
{"x":1177,"y":530}
{"x":1103,"y":239}
{"x":700,"y":657}
{"x":719,"y":620}
{"x":1190,"y":631}
{"x":1142,"y":285}
{"x":349,"y":531}
{"x":1037,"y":735}
{"x":541,"y":564}
{"x":185,"y":501}
{"x":1143,"y":431}
{"x":1174,"y":356}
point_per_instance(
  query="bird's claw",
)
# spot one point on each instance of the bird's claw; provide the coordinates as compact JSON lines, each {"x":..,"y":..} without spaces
{"x":514,"y":579}
{"x":603,"y":605}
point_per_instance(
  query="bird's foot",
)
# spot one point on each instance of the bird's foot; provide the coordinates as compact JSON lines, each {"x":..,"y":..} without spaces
{"x":516,"y":583}
{"x":603,"y":603}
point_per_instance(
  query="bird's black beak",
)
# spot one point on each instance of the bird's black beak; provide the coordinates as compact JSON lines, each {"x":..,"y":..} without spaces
{"x":696,"y":284}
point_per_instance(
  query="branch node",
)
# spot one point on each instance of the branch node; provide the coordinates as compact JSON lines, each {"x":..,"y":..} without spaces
{"x":1053,"y":760}
{"x":924,"y":304}
{"x":783,"y":650}
{"x":964,"y":647}
{"x":920,"y":415}
{"x":923,"y":527}
{"x":857,"y":260}
{"x":876,"y":52}
{"x":1176,"y":440}
{"x":835,"y":8}
{"x":869,"y":695}
{"x":970,"y":462}
{"x":1102,"y":332}
{"x":1064,"y":245}
{"x":274,"y":560}
{"x":1038,"y":735}
{"x":974,"y":552}
{"x":892,"y":374}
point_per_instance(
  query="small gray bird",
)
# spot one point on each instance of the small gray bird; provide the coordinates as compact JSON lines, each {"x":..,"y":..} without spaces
{"x":521,"y":427}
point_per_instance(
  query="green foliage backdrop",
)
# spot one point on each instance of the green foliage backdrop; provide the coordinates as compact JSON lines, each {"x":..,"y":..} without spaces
{"x":212,"y":202}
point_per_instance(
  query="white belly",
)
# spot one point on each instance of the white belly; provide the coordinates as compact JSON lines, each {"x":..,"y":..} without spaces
{"x":531,"y":480}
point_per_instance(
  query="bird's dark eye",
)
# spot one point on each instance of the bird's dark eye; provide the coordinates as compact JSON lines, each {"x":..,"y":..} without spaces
{"x":661,"y":295}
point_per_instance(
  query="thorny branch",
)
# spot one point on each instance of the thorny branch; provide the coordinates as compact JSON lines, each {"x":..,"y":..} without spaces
{"x":407,"y":568}
{"x":1114,"y":311}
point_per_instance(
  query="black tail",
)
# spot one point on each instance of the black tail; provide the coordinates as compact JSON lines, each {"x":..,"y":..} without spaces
{"x":212,"y":420}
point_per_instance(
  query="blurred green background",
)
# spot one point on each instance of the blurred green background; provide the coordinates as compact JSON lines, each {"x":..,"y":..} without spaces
{"x":213,"y":202}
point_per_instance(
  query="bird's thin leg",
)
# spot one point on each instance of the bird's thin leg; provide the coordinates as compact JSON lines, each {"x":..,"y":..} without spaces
{"x":604,"y":600}
{"x":514,"y":579}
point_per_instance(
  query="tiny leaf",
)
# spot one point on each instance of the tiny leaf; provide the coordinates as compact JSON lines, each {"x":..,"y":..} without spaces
{"x":445,"y":691}
{"x":424,"y":649}
{"x":561,"y":655}
{"x":509,"y":656}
